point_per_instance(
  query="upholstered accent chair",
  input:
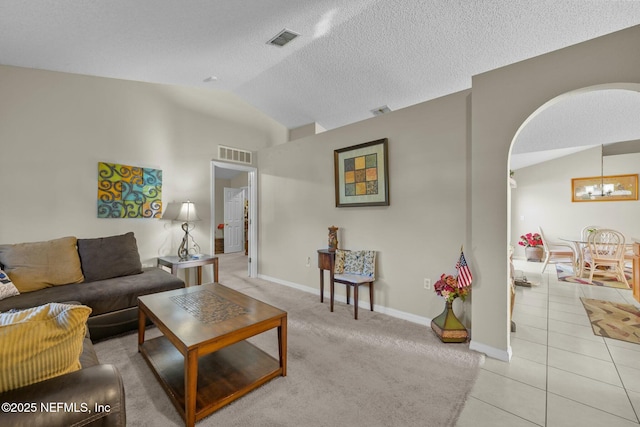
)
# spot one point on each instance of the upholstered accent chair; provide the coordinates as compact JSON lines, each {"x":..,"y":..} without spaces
{"x":355,"y":268}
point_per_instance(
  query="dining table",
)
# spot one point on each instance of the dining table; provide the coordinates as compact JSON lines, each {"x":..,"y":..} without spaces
{"x":580,"y":244}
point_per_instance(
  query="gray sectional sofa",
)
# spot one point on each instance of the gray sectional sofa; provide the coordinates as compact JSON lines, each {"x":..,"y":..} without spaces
{"x":104,"y":274}
{"x":107,"y":272}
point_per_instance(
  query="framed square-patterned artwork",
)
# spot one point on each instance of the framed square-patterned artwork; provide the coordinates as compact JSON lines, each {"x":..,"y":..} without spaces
{"x":362,"y":174}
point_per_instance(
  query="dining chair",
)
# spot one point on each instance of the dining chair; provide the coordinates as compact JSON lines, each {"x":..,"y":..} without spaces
{"x":587,"y":230}
{"x":556,"y":252}
{"x":355,"y":268}
{"x":606,"y":250}
{"x":585,"y":233}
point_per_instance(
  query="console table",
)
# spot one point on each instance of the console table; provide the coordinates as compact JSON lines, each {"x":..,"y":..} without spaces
{"x":175,"y":263}
{"x":326,"y":261}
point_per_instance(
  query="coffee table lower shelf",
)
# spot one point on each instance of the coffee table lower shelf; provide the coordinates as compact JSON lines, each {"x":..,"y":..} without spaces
{"x":223,"y":376}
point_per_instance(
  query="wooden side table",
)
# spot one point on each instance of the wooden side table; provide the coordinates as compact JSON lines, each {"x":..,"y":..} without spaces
{"x":326,"y":261}
{"x":175,"y":263}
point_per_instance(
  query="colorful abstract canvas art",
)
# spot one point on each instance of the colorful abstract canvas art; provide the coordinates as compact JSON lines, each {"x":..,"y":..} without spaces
{"x":129,"y":191}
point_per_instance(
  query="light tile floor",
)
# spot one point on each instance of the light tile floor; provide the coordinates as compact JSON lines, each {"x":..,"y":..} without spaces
{"x":560,"y":374}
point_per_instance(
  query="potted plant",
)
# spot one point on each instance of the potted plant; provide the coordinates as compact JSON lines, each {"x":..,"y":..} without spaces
{"x":449,"y":288}
{"x":447,"y":326}
{"x":532,"y":243}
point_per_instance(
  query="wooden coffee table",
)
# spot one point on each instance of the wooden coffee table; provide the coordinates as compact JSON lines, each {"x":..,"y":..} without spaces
{"x":202,"y":360}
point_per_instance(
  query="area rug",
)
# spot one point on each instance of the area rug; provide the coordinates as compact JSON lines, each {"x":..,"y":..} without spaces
{"x":374,"y":371}
{"x":565,"y":274}
{"x":613,"y":320}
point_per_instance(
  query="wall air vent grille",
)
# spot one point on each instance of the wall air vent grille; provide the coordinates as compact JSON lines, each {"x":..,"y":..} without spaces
{"x":282,"y":38}
{"x":234,"y":155}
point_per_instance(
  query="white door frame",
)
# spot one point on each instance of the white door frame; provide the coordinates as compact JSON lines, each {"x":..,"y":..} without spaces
{"x":253,"y":209}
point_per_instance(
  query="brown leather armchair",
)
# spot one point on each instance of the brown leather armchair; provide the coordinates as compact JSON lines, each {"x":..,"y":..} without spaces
{"x":91,"y":396}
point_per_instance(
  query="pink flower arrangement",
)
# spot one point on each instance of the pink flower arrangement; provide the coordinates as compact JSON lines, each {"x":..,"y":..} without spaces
{"x":450,"y":288}
{"x":530,"y":239}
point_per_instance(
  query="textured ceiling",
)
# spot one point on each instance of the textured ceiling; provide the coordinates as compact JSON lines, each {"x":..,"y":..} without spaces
{"x":351,"y":57}
{"x":584,"y":120}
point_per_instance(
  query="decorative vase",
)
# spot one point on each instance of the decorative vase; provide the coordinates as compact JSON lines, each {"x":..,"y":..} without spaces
{"x":534,"y":253}
{"x":333,"y":238}
{"x":447,"y":326}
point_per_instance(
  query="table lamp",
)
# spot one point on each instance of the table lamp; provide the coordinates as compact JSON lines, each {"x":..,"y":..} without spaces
{"x":187,"y":214}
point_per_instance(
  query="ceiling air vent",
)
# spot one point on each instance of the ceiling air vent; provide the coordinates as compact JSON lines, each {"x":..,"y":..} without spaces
{"x":381,"y":110}
{"x":282,"y":38}
{"x":234,"y":155}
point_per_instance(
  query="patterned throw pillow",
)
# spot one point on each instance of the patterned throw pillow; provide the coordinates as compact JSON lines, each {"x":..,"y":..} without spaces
{"x":369,"y":267}
{"x":354,"y":262}
{"x":7,"y":289}
{"x":40,"y":343}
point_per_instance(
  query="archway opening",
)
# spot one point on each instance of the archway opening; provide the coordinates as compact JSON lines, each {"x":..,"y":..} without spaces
{"x":562,"y":140}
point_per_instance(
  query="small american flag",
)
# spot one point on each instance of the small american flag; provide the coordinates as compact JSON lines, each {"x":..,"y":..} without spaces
{"x":464,"y":273}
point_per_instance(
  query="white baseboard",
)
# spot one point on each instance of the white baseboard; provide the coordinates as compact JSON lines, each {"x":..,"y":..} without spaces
{"x":492,"y":352}
{"x":473,"y":345}
{"x":362,"y":304}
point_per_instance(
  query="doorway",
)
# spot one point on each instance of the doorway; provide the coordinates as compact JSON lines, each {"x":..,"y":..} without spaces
{"x":581,"y":122}
{"x":224,"y":170}
{"x":234,"y":219}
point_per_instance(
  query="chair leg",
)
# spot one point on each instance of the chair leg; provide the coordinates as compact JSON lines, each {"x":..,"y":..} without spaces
{"x":546,"y":261}
{"x":621,"y":270}
{"x":355,"y":300}
{"x":348,"y":293}
{"x":332,"y":291}
{"x":371,"y":295}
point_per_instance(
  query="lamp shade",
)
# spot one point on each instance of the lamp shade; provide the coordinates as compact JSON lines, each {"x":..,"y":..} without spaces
{"x":188,"y":212}
{"x":172,"y":210}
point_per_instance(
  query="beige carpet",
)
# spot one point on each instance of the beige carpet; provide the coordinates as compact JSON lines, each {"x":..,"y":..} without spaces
{"x":375,"y":371}
{"x":613,"y":320}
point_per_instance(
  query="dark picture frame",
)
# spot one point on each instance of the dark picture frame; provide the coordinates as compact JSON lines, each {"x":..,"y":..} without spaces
{"x":362,"y":174}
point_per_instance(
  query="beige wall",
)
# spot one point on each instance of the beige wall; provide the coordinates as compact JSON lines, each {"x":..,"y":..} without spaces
{"x":418,"y":236}
{"x":502,"y":100}
{"x":445,"y":190}
{"x":543,"y":198}
{"x":443,"y":193}
{"x":56,"y":127}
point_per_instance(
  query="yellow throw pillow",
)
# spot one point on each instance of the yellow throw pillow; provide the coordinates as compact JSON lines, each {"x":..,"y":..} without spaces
{"x":39,"y":265}
{"x":40,"y":343}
